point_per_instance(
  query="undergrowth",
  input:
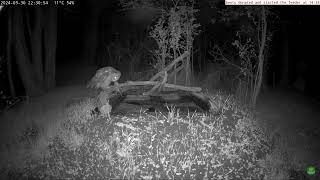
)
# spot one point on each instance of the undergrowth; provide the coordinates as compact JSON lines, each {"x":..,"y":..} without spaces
{"x":226,"y":143}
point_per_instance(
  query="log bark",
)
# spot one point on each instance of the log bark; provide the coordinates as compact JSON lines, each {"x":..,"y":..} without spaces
{"x":176,"y":98}
{"x":152,"y":83}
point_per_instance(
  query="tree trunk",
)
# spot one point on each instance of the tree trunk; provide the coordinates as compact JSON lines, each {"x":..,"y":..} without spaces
{"x":259,"y":73}
{"x":36,"y":45}
{"x":50,"y":42}
{"x":188,"y":65}
{"x":22,"y":55}
{"x":175,"y":66}
{"x":9,"y":55}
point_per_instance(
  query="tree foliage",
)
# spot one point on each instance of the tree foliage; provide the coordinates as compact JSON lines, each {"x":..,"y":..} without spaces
{"x":173,"y":31}
{"x":251,"y":41}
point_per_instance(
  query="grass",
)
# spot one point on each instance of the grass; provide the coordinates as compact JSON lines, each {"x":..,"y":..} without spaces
{"x":68,"y":142}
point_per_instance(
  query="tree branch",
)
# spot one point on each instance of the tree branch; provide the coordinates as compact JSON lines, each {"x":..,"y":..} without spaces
{"x":180,"y":58}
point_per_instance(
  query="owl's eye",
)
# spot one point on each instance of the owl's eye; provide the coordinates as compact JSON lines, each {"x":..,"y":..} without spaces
{"x":115,"y":77}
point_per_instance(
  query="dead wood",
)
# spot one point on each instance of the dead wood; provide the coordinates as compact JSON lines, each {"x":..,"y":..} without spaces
{"x":131,"y":85}
{"x":176,"y":98}
{"x":159,"y":86}
{"x":180,"y":58}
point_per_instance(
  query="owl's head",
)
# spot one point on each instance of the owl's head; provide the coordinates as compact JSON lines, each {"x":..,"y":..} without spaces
{"x":115,"y":76}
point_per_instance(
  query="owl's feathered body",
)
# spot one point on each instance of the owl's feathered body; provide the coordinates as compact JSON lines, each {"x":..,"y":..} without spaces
{"x":105,"y":110}
{"x":103,"y":78}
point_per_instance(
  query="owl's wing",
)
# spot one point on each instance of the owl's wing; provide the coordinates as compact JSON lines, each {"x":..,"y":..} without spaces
{"x":101,"y":77}
{"x":93,"y":81}
{"x":105,"y":69}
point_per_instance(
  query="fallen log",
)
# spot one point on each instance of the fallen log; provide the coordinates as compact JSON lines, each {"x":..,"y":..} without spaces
{"x":176,"y":98}
{"x":166,"y":85}
{"x":129,"y":85}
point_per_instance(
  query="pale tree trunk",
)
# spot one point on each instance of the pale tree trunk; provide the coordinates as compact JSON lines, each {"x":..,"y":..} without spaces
{"x":187,"y":65}
{"x":259,"y":73}
{"x":22,"y":55}
{"x":50,"y":43}
{"x":188,"y":69}
{"x":175,"y":66}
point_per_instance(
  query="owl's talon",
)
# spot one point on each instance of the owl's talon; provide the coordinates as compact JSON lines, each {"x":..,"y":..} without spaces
{"x":118,"y":89}
{"x":116,"y":84}
{"x":106,"y":110}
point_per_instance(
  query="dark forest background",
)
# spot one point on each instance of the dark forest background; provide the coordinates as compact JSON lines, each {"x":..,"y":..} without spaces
{"x":37,"y":41}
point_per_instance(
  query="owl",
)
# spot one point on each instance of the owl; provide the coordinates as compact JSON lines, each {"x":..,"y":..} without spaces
{"x":103,"y":78}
